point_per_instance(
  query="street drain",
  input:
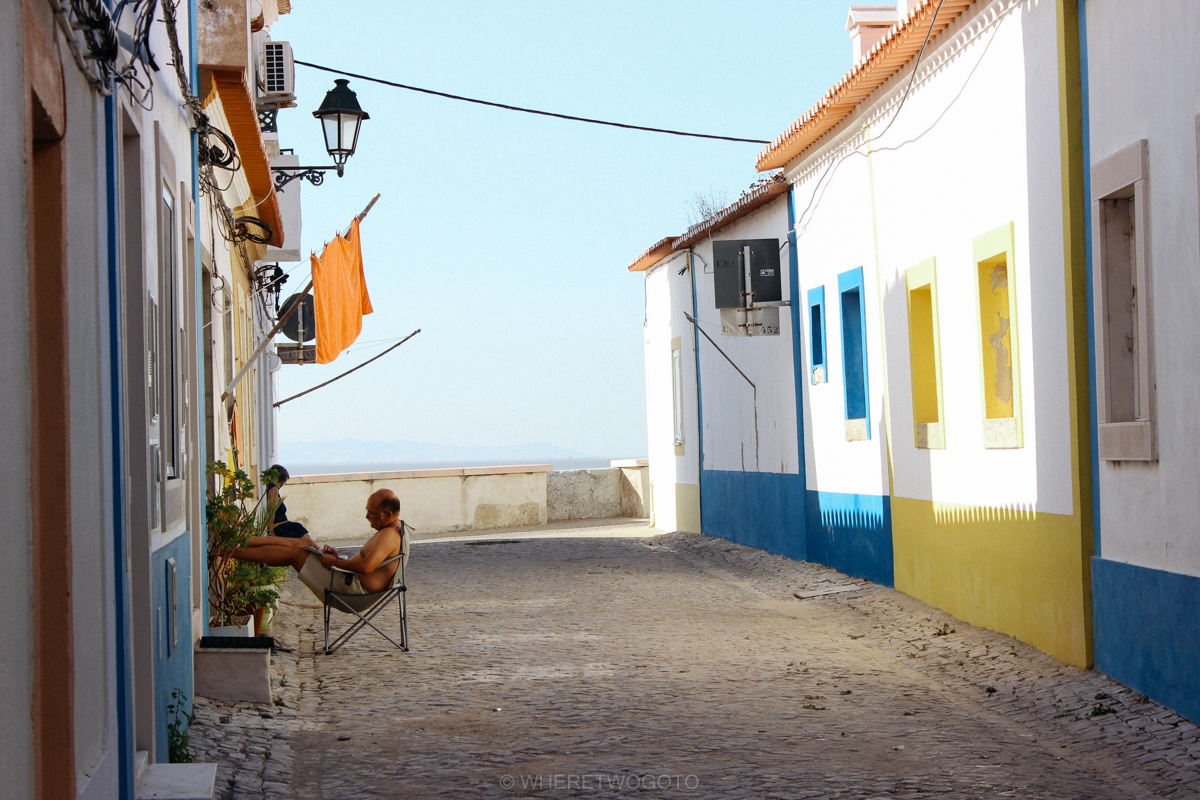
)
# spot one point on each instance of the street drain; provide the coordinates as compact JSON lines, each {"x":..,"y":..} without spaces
{"x":495,"y":541}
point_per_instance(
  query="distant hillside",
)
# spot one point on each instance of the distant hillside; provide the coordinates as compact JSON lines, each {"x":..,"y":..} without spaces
{"x":346,"y":451}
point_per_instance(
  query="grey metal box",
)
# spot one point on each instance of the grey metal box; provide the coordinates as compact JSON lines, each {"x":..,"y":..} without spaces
{"x":729,"y":272}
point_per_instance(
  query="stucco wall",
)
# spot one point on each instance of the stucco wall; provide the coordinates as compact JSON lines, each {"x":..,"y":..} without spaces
{"x":431,"y":501}
{"x":16,"y":679}
{"x":1144,"y":83}
{"x":442,"y":500}
{"x":727,"y":400}
{"x":674,"y":470}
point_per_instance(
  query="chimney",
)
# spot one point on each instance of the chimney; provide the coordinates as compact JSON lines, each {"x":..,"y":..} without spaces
{"x":869,"y":24}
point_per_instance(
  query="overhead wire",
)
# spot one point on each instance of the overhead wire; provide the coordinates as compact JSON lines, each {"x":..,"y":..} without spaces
{"x":522,"y":109}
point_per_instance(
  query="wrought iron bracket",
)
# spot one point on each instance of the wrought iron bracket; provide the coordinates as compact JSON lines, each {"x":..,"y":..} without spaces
{"x":314,"y":175}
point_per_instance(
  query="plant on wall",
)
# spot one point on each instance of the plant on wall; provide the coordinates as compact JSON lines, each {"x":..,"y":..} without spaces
{"x":233,"y":517}
{"x":179,"y":750}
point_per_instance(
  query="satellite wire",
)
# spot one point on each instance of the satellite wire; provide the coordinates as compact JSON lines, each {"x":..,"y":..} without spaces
{"x":507,"y":107}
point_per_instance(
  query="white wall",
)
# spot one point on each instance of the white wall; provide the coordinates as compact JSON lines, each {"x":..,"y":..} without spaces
{"x":1144,"y":83}
{"x":973,"y":154}
{"x":431,"y":501}
{"x":728,"y":400}
{"x":668,"y":296}
{"x":16,"y":631}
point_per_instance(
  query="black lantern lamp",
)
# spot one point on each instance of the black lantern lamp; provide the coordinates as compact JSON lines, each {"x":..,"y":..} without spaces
{"x":341,"y":117}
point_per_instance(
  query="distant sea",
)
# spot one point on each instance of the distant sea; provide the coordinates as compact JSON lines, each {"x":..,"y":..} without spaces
{"x":559,"y":463}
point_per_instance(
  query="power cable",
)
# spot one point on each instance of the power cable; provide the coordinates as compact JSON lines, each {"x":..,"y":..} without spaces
{"x":507,"y":107}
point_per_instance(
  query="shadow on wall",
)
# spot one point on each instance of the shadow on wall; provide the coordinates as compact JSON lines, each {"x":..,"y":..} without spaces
{"x":852,"y":533}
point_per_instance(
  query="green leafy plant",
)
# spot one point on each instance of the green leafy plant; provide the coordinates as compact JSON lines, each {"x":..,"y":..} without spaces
{"x":178,"y":749}
{"x":234,"y":516}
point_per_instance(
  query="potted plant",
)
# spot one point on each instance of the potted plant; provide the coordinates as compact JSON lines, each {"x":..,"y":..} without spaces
{"x":233,"y":517}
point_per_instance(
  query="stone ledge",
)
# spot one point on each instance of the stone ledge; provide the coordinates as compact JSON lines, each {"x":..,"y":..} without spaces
{"x":452,"y":472}
{"x":178,"y":782}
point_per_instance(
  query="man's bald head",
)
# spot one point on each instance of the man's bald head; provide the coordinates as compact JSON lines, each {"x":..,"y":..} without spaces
{"x":386,"y":500}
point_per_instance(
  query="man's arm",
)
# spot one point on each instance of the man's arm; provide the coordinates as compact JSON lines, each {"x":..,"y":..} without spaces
{"x":366,"y":560}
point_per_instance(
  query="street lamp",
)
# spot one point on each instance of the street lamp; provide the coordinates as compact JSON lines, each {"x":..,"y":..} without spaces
{"x":341,"y":117}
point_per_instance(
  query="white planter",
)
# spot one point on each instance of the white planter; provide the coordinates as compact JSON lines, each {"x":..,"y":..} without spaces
{"x":234,"y":630}
{"x":234,"y":673}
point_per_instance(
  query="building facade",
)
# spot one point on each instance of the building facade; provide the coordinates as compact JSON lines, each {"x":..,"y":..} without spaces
{"x":139,"y":202}
{"x":931,"y":366}
{"x":1142,"y":92}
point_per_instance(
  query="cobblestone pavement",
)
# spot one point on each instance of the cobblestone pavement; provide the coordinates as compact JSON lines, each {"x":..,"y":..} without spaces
{"x":680,"y":666}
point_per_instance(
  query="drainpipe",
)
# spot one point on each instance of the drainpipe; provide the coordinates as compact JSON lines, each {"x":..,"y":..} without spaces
{"x":202,"y":402}
{"x":699,"y":400}
{"x":121,"y":611}
{"x":1087,"y":248}
{"x":797,"y":359}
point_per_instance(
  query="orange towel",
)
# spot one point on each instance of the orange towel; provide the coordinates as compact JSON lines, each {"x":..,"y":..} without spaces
{"x":339,"y":295}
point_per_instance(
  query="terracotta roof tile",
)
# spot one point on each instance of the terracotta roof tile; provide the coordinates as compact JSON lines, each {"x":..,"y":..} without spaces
{"x":888,"y":57}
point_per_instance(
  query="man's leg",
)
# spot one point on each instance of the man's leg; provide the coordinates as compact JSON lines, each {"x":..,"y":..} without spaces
{"x":287,"y":541}
{"x":275,"y":555}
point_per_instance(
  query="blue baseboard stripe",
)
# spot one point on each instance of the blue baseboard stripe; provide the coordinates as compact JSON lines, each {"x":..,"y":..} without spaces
{"x":1146,"y":624}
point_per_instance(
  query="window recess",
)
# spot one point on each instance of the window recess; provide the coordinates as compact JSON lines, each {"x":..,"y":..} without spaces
{"x":818,"y":372}
{"x":997,"y":306}
{"x":1120,"y":282}
{"x":677,"y":392}
{"x":925,"y":357}
{"x":854,"y":355}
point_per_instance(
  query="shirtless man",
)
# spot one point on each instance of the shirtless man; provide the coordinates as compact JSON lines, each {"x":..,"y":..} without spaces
{"x":383,"y":513}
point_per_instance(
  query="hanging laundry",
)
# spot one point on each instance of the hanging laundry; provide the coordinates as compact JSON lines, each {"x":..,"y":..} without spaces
{"x":339,"y":295}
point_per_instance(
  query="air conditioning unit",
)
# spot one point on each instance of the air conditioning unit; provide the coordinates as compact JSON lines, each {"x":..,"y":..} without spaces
{"x":276,"y":84}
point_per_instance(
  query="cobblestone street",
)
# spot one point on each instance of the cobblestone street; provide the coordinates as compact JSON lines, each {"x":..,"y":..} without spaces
{"x":620,"y":662}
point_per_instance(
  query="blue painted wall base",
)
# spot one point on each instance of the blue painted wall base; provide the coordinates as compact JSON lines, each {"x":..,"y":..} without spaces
{"x":757,"y":509}
{"x":1146,"y":625}
{"x":774,"y":512}
{"x":853,"y":534}
{"x":172,"y":662}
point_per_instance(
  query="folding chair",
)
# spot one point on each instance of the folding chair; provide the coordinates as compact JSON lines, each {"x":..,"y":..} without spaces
{"x":367,"y":606}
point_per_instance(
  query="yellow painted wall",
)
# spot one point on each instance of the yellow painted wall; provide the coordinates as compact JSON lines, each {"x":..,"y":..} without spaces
{"x":1016,"y":572}
{"x":924,"y":360}
{"x":687,"y":507}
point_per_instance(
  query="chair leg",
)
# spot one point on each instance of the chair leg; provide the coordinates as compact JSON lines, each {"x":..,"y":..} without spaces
{"x":403,"y":601}
{"x":360,"y":622}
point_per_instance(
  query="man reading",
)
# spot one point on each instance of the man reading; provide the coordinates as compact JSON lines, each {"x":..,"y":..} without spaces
{"x":313,"y":563}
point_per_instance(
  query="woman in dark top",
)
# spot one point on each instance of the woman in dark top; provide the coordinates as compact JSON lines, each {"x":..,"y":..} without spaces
{"x":281,"y":526}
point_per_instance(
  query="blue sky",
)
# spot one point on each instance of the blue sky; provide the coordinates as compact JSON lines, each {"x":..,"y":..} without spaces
{"x":505,"y":237}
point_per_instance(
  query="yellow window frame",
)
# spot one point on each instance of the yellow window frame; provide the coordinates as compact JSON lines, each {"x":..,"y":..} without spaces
{"x":994,"y":268}
{"x":925,"y":356}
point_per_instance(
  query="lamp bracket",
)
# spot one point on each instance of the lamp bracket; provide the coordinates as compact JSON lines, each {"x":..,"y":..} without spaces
{"x":314,"y":175}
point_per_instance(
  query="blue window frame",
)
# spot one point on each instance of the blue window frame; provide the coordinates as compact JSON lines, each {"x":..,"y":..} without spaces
{"x":854,"y":346}
{"x":818,"y":372}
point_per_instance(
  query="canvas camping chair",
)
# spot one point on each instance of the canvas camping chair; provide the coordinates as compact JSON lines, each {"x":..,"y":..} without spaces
{"x":367,"y":606}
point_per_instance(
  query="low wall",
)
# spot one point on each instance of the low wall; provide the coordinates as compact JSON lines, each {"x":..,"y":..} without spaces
{"x":479,"y":498}
{"x":431,"y":500}
{"x":597,"y":493}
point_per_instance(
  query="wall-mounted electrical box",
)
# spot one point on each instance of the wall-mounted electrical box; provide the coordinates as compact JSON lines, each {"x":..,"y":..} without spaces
{"x":748,"y":286}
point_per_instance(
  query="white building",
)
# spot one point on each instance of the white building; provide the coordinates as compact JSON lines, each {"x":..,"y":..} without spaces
{"x":1142,"y":91}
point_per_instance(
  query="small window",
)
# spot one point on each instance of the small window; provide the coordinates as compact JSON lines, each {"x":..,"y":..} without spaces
{"x":854,"y":355}
{"x":925,"y":360}
{"x":677,"y":392}
{"x":816,"y":334}
{"x":169,"y":353}
{"x":172,"y":598}
{"x":1125,"y":387}
{"x":993,"y":257}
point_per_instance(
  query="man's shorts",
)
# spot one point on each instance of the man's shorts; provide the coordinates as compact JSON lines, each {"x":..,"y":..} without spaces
{"x":317,"y":577}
